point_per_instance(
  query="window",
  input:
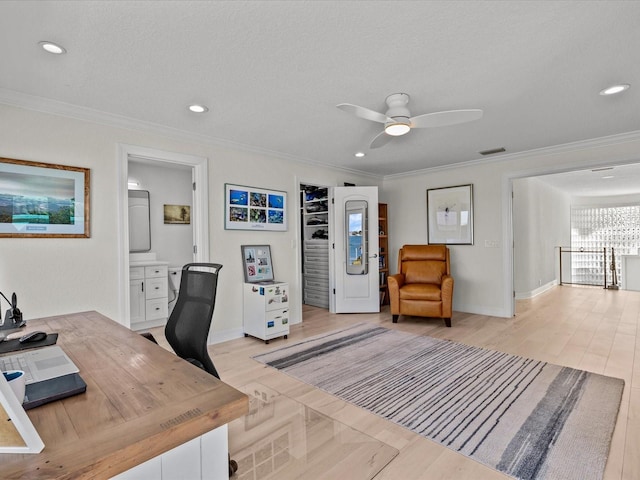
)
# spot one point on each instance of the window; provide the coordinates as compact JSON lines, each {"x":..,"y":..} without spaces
{"x":596,"y":228}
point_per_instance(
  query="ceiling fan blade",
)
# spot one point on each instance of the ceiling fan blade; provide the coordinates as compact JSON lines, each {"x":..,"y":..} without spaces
{"x":380,"y":140}
{"x":364,"y":113}
{"x":443,"y":119}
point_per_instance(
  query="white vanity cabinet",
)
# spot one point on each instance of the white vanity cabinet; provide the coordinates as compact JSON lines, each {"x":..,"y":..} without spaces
{"x":148,"y":294}
{"x":266,"y":310}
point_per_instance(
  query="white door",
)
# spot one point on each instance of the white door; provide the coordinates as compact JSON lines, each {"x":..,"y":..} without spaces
{"x":354,"y":250}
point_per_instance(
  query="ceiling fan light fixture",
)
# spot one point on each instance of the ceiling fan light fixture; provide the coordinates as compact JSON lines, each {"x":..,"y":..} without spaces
{"x":613,"y":89}
{"x":396,"y":129}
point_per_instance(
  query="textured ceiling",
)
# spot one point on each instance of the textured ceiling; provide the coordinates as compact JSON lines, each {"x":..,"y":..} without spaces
{"x":273,"y":72}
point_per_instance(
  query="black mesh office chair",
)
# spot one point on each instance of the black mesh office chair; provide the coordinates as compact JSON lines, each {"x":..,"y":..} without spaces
{"x":188,"y":326}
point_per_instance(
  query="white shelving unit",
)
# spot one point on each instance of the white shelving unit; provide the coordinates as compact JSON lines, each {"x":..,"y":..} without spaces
{"x":315,"y":259}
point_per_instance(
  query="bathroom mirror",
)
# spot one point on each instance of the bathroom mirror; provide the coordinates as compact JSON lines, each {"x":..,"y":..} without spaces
{"x":139,"y":221}
{"x":356,"y":229}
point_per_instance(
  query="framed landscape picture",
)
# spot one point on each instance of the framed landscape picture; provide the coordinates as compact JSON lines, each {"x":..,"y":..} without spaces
{"x":450,"y":215}
{"x":43,"y":200}
{"x":253,"y":208}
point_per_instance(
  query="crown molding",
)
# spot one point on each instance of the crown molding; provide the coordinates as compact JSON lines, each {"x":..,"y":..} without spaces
{"x":55,"y":107}
{"x":600,"y":142}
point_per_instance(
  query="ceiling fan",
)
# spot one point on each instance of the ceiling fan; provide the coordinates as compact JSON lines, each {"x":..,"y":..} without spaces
{"x":398,"y":120}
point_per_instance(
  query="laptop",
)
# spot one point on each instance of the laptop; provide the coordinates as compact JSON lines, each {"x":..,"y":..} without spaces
{"x":40,"y":364}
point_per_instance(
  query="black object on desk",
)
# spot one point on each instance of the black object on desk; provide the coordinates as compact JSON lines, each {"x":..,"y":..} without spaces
{"x":39,"y":393}
{"x":14,"y":344}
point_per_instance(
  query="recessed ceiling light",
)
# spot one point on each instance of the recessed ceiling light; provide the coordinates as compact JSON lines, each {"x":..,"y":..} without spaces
{"x":52,"y":47}
{"x":198,"y":108}
{"x":615,"y":89}
{"x":606,"y":177}
{"x":359,"y":154}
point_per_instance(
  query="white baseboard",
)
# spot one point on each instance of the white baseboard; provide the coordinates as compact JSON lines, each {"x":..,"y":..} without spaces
{"x":537,"y":291}
{"x":225,"y":335}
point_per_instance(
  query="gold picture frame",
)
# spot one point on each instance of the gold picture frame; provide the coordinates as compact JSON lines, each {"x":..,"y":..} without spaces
{"x":43,"y":200}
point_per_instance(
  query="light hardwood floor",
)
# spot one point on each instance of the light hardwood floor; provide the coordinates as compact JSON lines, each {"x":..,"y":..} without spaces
{"x":587,"y":328}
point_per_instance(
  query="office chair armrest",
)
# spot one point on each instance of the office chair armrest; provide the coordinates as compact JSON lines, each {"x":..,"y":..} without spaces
{"x":195,"y":362}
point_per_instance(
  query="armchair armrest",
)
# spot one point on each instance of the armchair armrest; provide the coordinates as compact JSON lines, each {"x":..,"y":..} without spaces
{"x":447,"y":295}
{"x":395,"y":282}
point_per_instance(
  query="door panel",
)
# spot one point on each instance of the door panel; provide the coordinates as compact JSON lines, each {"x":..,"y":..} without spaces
{"x":355,"y":250}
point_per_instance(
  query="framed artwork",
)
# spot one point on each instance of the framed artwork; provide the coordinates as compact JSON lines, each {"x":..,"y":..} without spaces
{"x":251,"y":208}
{"x":43,"y":200}
{"x":450,"y":215}
{"x":256,"y":263}
{"x":177,"y":214}
{"x":17,"y":433}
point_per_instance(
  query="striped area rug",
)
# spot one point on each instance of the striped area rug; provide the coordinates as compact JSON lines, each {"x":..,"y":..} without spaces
{"x":525,"y":418}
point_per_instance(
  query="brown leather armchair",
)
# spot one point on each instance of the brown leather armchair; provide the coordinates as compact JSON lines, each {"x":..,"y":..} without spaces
{"x":423,"y":286}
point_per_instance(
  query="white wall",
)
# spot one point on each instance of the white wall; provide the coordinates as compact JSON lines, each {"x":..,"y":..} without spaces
{"x":541,"y":224}
{"x":57,"y":276}
{"x":172,"y":243}
{"x":483,"y":275}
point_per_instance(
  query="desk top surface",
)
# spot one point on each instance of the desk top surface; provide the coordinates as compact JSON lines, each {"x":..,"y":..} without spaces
{"x":141,"y":401}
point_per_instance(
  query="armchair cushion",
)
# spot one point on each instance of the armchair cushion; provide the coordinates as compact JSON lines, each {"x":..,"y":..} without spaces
{"x":425,"y":272}
{"x":422,"y":292}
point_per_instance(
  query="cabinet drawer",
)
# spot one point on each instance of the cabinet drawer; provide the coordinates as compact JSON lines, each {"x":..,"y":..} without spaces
{"x":319,"y":283}
{"x":318,"y":269}
{"x":316,"y":299}
{"x":313,"y":260}
{"x":277,"y":321}
{"x":276,"y":297}
{"x":156,"y":288}
{"x":157,"y":308}
{"x":156,"y":271}
{"x":136,"y":273}
{"x":316,"y":245}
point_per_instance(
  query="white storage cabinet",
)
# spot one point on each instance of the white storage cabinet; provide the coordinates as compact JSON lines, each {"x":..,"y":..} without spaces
{"x":149,"y":297}
{"x":266,"y":310}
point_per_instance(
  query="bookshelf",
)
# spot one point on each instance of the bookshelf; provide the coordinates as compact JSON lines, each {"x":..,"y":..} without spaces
{"x":383,"y":254}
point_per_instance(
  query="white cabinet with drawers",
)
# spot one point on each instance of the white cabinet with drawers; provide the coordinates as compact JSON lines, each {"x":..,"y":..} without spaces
{"x":148,"y":295}
{"x":266,"y":310}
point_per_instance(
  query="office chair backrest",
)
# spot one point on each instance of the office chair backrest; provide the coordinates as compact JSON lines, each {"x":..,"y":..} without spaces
{"x":188,"y":326}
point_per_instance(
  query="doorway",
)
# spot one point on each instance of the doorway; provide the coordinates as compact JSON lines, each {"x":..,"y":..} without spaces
{"x":198,"y":215}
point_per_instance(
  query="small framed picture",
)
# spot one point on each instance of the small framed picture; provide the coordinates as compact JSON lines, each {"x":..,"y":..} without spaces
{"x":177,"y":214}
{"x":256,"y":262}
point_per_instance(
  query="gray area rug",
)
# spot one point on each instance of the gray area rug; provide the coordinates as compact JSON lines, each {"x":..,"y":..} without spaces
{"x":525,"y":418}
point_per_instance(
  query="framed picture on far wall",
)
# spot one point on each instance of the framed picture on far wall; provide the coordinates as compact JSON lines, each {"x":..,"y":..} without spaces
{"x":450,"y":215}
{"x":253,"y":208}
{"x":177,"y":214}
{"x":256,"y":262}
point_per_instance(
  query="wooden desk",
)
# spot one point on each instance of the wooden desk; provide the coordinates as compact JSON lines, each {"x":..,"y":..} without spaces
{"x":141,"y":402}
